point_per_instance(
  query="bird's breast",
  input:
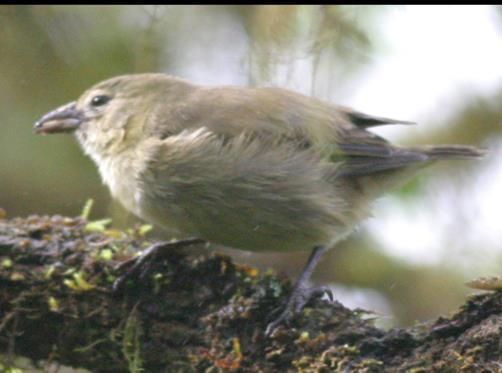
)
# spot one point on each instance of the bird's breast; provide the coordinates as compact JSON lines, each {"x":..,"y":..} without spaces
{"x":120,"y":175}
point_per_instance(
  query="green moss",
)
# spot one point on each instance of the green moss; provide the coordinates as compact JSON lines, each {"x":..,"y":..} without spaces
{"x":131,"y":344}
{"x":202,"y":313}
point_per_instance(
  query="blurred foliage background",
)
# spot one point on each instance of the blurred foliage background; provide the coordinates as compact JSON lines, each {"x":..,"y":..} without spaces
{"x":439,"y":66}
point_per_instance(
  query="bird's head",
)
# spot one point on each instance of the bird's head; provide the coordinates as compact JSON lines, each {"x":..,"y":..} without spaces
{"x":115,"y":114}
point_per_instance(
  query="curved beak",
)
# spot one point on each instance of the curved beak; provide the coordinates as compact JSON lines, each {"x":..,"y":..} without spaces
{"x":66,"y":118}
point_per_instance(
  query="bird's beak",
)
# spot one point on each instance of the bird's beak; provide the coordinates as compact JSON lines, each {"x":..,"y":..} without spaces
{"x":65,"y":118}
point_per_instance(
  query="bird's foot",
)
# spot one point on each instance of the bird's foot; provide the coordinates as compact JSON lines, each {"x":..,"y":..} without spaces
{"x":139,"y":266}
{"x":296,"y":302}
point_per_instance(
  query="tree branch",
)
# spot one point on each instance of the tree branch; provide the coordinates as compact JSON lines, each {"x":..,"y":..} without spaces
{"x":194,"y":313}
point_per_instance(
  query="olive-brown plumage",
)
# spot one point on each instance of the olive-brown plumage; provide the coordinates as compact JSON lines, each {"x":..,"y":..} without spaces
{"x":248,"y":168}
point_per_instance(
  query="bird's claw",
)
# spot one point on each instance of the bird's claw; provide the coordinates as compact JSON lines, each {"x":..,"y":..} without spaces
{"x":296,"y":302}
{"x":140,"y":266}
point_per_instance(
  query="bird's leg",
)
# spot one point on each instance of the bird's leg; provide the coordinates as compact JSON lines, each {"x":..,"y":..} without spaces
{"x":139,"y":265}
{"x":301,"y":294}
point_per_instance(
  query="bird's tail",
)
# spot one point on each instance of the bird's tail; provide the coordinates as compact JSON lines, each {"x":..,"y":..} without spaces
{"x":411,"y":160}
{"x":438,"y":152}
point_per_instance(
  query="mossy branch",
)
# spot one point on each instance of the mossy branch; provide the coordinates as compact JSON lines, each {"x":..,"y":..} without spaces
{"x":201,"y":313}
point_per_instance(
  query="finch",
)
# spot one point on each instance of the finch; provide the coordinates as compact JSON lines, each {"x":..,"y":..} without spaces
{"x":257,"y":169}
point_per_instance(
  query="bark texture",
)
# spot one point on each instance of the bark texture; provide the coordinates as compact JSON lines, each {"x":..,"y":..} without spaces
{"x":204,"y":313}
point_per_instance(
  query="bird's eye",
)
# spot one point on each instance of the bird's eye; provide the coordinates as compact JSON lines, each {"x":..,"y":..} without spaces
{"x":100,"y":100}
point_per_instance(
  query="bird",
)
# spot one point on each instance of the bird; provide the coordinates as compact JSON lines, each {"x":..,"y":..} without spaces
{"x":249,"y":168}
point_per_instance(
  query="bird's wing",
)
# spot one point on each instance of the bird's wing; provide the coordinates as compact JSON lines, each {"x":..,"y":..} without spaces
{"x":278,"y":115}
{"x":363,"y":120}
{"x":362,"y":152}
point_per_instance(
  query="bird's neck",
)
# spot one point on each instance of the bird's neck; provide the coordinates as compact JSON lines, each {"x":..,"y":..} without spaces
{"x":120,"y":173}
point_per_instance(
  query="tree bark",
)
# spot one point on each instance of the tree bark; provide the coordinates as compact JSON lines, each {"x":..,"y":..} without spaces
{"x":202,"y":313}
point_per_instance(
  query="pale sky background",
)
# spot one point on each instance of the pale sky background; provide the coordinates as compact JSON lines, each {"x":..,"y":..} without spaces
{"x":435,"y":52}
{"x":432,"y":53}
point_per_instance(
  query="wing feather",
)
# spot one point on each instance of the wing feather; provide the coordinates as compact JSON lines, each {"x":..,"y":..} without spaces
{"x":272,"y":114}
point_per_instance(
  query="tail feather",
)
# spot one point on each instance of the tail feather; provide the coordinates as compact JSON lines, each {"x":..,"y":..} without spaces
{"x":403,"y":165}
{"x":402,"y":158}
{"x":451,"y":152}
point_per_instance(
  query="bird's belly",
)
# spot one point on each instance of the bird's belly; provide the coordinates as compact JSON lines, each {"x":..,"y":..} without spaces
{"x":238,"y":225}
